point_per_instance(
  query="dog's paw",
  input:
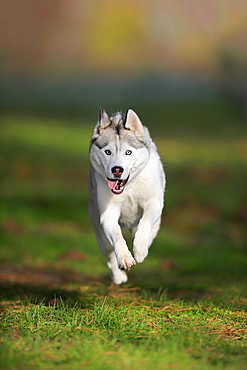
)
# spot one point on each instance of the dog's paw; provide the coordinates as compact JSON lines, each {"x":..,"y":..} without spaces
{"x":126,"y":262}
{"x":140,"y":254}
{"x":119,"y":277}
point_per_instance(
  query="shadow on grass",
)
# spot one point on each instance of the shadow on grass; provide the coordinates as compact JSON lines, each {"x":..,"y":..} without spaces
{"x":37,"y":294}
{"x":41,"y":285}
{"x":224,"y":288}
{"x":52,"y":285}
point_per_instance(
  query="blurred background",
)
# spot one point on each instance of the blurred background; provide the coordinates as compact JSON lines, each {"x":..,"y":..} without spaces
{"x":78,"y":55}
{"x":182,"y":66}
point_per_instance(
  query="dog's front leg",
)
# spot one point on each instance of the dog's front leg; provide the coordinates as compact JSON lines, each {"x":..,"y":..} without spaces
{"x":146,"y":231}
{"x":112,"y":230}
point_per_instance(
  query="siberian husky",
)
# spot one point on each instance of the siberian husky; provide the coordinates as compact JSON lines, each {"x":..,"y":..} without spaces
{"x":126,"y":187}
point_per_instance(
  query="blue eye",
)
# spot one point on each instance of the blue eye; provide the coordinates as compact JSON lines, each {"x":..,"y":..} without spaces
{"x":128,"y":152}
{"x":107,"y":152}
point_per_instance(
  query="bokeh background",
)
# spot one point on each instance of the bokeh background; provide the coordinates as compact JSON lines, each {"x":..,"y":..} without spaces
{"x":65,"y":54}
{"x":181,"y":65}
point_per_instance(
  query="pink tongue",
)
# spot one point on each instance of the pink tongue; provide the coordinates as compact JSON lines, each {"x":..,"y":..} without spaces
{"x":111,"y":184}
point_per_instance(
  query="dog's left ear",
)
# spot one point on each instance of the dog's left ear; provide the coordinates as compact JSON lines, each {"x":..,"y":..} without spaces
{"x":133,"y":123}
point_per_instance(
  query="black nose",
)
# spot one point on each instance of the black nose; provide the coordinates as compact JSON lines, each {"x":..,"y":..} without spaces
{"x":117,"y":171}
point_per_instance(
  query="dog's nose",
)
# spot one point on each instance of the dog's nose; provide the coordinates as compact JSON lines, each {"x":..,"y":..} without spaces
{"x":117,"y":171}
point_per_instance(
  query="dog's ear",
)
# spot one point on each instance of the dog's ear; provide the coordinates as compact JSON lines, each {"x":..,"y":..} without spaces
{"x":104,"y":120}
{"x":133,"y":123}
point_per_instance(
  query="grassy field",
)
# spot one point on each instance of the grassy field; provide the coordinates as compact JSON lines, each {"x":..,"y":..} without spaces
{"x":183,"y":308}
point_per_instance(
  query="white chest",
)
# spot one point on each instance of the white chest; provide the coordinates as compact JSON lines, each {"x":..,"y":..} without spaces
{"x":131,"y":212}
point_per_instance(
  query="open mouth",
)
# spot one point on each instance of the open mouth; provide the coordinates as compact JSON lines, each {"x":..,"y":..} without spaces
{"x":116,"y":185}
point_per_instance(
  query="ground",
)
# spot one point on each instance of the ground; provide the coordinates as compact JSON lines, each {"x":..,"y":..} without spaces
{"x":183,"y":308}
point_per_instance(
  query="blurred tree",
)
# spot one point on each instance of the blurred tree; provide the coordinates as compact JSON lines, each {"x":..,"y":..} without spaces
{"x":71,"y":37}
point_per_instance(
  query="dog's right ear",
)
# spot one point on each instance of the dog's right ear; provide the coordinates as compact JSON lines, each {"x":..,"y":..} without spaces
{"x":104,"y":120}
{"x":103,"y":123}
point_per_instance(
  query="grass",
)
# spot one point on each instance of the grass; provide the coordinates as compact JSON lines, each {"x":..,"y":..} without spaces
{"x":183,"y":308}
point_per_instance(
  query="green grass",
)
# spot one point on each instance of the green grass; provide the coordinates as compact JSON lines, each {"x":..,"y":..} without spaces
{"x":183,"y":308}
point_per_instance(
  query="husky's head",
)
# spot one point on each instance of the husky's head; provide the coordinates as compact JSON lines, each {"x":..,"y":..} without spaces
{"x":119,"y":148}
